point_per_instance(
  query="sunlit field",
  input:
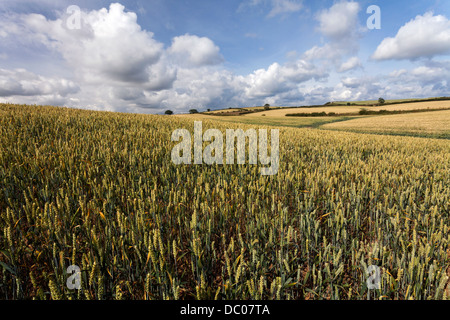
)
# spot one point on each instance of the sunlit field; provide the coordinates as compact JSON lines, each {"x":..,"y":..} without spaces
{"x":297,"y":122}
{"x":99,"y":190}
{"x":354,"y":109}
{"x":433,"y":124}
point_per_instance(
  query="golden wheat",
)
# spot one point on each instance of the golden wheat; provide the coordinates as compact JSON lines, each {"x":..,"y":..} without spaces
{"x":99,"y":190}
{"x":354,"y":109}
{"x":434,"y":123}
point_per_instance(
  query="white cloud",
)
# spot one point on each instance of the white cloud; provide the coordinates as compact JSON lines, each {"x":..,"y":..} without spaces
{"x":20,"y":82}
{"x":339,"y":21}
{"x":339,"y":24}
{"x":190,"y":50}
{"x":424,"y":81}
{"x":436,"y":73}
{"x":397,"y":73}
{"x":351,"y":82}
{"x":120,"y":67}
{"x":22,"y":86}
{"x":358,"y":88}
{"x":424,"y":36}
{"x":429,"y":72}
{"x":110,"y":45}
{"x":112,"y":59}
{"x":280,"y":78}
{"x":327,"y":52}
{"x":350,"y":64}
{"x":111,"y":63}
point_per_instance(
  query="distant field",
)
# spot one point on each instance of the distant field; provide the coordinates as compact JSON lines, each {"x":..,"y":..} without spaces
{"x":361,"y":104}
{"x":433,"y":124}
{"x":297,"y":122}
{"x":368,"y":102}
{"x":222,"y":111}
{"x":425,"y":124}
{"x":284,"y":111}
{"x":233,"y":110}
{"x":353,"y":109}
{"x":373,"y":101}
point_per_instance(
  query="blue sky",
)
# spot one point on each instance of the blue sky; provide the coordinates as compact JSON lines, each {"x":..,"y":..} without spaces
{"x":150,"y":56}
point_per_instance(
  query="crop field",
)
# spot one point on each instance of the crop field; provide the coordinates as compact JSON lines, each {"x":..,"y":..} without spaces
{"x":99,"y":190}
{"x":233,"y":110}
{"x":222,"y":111}
{"x":296,"y":122}
{"x":433,"y":124}
{"x":365,"y":102}
{"x":354,"y":109}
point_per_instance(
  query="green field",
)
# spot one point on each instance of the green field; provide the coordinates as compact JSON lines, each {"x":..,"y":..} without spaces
{"x":99,"y":190}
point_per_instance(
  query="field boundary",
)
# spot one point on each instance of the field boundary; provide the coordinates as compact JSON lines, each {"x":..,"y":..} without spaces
{"x":443,"y":136}
{"x":244,"y":110}
{"x":362,"y":112}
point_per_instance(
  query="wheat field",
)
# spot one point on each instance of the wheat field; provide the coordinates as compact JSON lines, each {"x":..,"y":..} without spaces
{"x":296,"y":122}
{"x":98,"y":190}
{"x":436,"y":123}
{"x":354,"y":109}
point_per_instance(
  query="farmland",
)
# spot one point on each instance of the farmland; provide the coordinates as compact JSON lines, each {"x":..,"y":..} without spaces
{"x":98,"y":190}
{"x":355,"y":109}
{"x":296,"y":122}
{"x":433,"y":124}
{"x":429,"y":119}
{"x":389,"y":101}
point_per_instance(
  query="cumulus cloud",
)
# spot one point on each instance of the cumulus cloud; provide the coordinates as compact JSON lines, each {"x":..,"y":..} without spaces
{"x":193,"y":51}
{"x":350,"y":64}
{"x":329,"y":51}
{"x":109,"y":54}
{"x":118,"y":66}
{"x":340,"y":26}
{"x":110,"y":45}
{"x":424,"y":36}
{"x":351,"y":82}
{"x":397,"y":73}
{"x":278,"y":78}
{"x":431,"y":74}
{"x":358,"y":88}
{"x":338,"y":22}
{"x":22,"y":86}
{"x":111,"y":63}
{"x":430,"y":80}
{"x":20,"y":82}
